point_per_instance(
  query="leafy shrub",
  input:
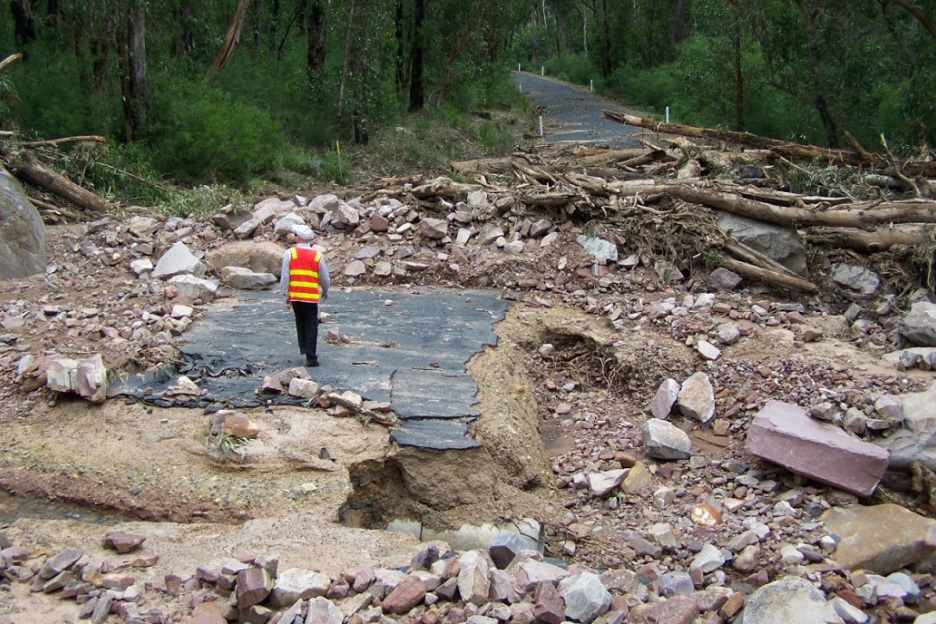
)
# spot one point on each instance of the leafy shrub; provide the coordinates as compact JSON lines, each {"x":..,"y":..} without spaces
{"x":570,"y":67}
{"x":200,"y":132}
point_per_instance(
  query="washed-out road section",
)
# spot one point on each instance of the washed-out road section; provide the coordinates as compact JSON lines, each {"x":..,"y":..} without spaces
{"x":406,"y":347}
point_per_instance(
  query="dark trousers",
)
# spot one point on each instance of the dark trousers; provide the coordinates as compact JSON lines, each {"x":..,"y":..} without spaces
{"x":306,"y":326}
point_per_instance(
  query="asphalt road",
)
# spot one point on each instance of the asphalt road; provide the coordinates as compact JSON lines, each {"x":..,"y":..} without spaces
{"x":407,"y":347}
{"x":573,"y":115}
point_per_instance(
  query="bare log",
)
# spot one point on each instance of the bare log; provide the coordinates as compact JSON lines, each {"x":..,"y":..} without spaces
{"x":483,"y":165}
{"x":864,"y":215}
{"x":71,"y":139}
{"x":443,"y":187}
{"x":25,"y":166}
{"x":614,"y":156}
{"x":752,"y":256}
{"x":231,"y":38}
{"x":782,"y":148}
{"x":10,"y":60}
{"x":771,"y":278}
{"x":872,"y":242}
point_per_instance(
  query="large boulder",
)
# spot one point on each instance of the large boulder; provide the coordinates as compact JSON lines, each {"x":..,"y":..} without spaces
{"x":663,"y":440}
{"x":919,"y":326}
{"x":245,"y":279}
{"x":791,"y":600}
{"x":178,"y":260}
{"x":916,"y":439}
{"x":782,"y":244}
{"x":880,"y":538}
{"x":262,"y":257}
{"x":22,"y":235}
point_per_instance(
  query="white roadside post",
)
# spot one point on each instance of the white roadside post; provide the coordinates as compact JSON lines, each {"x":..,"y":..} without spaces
{"x":541,"y":125}
{"x":667,"y":114}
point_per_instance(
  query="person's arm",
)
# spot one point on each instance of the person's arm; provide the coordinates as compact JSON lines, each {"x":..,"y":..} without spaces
{"x":324,"y":282}
{"x":284,"y":277}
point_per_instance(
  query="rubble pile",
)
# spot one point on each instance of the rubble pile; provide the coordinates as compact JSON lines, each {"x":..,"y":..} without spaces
{"x":506,"y":583}
{"x":711,"y":476}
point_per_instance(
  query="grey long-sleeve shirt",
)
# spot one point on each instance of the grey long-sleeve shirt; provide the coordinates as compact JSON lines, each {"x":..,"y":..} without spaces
{"x":284,"y":274}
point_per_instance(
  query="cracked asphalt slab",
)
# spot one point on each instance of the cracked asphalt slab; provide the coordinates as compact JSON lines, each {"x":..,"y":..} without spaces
{"x":406,"y":347}
{"x":574,"y":114}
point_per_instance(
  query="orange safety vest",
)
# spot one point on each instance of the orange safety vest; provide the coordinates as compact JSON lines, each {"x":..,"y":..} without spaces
{"x":303,"y":275}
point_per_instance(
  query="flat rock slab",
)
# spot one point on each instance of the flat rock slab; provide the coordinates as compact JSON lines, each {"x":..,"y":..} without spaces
{"x":784,"y":434}
{"x":412,"y":354}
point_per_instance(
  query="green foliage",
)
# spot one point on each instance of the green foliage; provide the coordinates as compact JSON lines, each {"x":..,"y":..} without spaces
{"x":8,"y":98}
{"x":334,"y":167}
{"x":229,"y":446}
{"x":202,"y":133}
{"x":572,"y":67}
{"x":199,"y":201}
{"x":51,"y":100}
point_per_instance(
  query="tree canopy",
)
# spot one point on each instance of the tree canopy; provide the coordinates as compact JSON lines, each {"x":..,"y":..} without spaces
{"x":219,"y":87}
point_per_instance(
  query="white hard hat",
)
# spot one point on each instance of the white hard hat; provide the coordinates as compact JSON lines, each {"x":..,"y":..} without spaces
{"x":303,"y":231}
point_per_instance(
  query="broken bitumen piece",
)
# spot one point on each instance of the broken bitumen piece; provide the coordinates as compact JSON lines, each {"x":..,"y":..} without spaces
{"x":434,"y":435}
{"x":784,"y":434}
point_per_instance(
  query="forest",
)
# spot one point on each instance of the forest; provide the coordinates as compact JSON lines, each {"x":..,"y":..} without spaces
{"x":235,"y":91}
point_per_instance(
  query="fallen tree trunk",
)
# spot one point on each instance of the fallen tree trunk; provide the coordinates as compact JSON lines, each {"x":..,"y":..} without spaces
{"x":71,"y":139}
{"x":771,"y":278}
{"x":782,"y":148}
{"x":852,"y":215}
{"x":10,"y":60}
{"x":614,"y":156}
{"x":871,"y":242}
{"x":25,"y":166}
{"x":752,"y":256}
{"x":497,"y":166}
{"x":443,"y":187}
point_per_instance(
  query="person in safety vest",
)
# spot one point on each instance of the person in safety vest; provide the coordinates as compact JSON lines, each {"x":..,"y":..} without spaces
{"x":303,"y":284}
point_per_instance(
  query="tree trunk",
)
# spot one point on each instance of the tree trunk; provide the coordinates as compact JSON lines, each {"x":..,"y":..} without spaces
{"x":771,"y":278}
{"x":345,"y":63}
{"x":25,"y":166}
{"x":398,"y":23}
{"x":677,"y":30}
{"x":184,"y":44}
{"x":417,"y":99}
{"x":54,"y":12}
{"x":24,"y":24}
{"x":922,"y":168}
{"x":819,"y":100}
{"x":875,"y":241}
{"x":606,"y":42}
{"x":739,"y":76}
{"x":918,"y":13}
{"x":137,"y":97}
{"x":585,"y":31}
{"x":852,"y":215}
{"x":100,"y":54}
{"x":274,"y":23}
{"x":231,"y":37}
{"x":257,"y":26}
{"x":315,"y":59}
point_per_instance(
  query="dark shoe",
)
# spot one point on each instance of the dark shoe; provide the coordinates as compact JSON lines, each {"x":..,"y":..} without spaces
{"x":311,"y":361}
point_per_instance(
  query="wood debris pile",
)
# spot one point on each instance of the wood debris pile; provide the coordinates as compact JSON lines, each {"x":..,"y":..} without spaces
{"x":871,"y":209}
